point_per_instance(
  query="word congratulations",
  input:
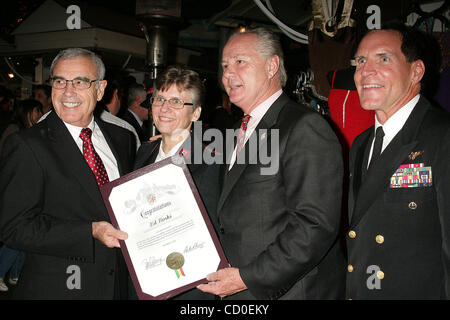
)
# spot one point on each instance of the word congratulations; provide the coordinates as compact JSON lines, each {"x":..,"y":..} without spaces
{"x":147,"y":214}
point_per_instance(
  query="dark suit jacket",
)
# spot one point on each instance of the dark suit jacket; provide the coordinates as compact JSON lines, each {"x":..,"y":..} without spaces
{"x":142,"y":132}
{"x":414,"y":222}
{"x":281,"y":229}
{"x":48,"y":200}
{"x":206,"y":179}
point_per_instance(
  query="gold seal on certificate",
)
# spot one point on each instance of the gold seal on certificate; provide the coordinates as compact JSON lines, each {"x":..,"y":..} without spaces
{"x":175,"y":260}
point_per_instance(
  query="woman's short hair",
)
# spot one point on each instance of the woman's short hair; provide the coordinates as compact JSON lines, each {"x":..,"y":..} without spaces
{"x":185,"y":79}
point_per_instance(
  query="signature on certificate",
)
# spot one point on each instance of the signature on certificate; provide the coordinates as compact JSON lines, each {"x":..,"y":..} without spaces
{"x":152,"y":262}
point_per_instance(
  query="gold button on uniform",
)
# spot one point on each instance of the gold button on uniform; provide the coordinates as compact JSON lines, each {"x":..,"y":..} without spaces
{"x":380,"y":274}
{"x":352,"y":234}
{"x":350,"y":268}
{"x":412,"y":205}
{"x":379,"y":239}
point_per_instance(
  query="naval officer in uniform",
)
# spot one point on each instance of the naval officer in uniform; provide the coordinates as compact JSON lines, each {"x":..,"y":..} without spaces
{"x":399,"y":199}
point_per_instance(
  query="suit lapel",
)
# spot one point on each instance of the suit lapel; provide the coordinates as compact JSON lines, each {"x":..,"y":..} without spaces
{"x":149,"y":151}
{"x":378,"y":176}
{"x":359,"y":167}
{"x":232,"y":176}
{"x":230,"y":145}
{"x":119,"y":153}
{"x":147,"y":154}
{"x":72,"y":160}
{"x":189,"y":152}
{"x":363,"y":161}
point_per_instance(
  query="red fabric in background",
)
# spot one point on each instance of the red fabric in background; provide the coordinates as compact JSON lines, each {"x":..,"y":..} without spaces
{"x":347,"y":114}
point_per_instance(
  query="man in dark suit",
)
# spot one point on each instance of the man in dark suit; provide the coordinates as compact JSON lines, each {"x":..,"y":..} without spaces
{"x":399,"y":203}
{"x":50,"y":203}
{"x":136,"y":114}
{"x":278,"y":227}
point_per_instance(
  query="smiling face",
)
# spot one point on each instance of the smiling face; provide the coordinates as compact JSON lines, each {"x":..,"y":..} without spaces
{"x":73,"y":106}
{"x":248,"y":78}
{"x":385,"y":80}
{"x":170,"y":121}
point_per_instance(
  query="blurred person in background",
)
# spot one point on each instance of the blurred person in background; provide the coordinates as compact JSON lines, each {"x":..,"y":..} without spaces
{"x":26,"y":114}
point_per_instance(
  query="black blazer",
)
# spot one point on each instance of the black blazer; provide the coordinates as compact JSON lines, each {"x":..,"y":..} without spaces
{"x":48,"y":200}
{"x":142,"y":131}
{"x":402,"y":232}
{"x":281,"y":229}
{"x":205,"y":178}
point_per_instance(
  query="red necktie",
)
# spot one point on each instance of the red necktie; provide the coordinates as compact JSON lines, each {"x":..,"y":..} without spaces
{"x":242,"y":131}
{"x":92,"y":157}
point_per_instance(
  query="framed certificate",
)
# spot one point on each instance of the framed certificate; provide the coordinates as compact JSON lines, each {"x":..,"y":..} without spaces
{"x":171,"y":245}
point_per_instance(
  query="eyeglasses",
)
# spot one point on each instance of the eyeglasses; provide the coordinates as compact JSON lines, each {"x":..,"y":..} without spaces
{"x":78,"y":84}
{"x":173,"y":102}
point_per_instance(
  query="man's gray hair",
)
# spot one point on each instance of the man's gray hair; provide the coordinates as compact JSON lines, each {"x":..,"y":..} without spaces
{"x":134,"y":91}
{"x":72,"y":53}
{"x":267,"y":44}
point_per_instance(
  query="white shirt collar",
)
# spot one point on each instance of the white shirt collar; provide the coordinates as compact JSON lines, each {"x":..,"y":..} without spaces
{"x":75,"y":130}
{"x":396,"y":122}
{"x":162,"y":155}
{"x":258,"y":113}
{"x":101,"y":147}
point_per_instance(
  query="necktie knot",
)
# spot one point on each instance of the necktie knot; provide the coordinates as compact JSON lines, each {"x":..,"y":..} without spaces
{"x":86,"y":133}
{"x":245,"y":121}
{"x":241,"y":138}
{"x":379,"y":134}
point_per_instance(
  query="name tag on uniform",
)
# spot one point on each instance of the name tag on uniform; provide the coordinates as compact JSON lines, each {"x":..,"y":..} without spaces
{"x":412,"y":176}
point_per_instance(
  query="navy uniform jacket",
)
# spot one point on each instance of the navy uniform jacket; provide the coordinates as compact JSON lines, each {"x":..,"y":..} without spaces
{"x":399,"y":238}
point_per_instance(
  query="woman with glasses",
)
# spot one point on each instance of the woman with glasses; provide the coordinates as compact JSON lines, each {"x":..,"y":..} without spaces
{"x":176,"y":104}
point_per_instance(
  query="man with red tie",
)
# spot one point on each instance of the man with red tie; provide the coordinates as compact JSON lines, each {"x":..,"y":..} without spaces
{"x":278,"y":228}
{"x":50,"y":203}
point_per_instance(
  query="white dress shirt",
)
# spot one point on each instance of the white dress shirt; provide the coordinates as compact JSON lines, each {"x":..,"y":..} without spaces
{"x":256,"y":115}
{"x":162,"y":155}
{"x":394,"y":124}
{"x":100,"y":145}
{"x":110,"y":118}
